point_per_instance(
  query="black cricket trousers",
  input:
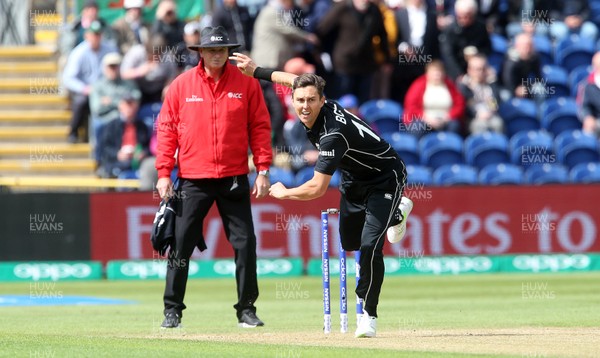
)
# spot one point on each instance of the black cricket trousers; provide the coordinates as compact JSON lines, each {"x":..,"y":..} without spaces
{"x":367,"y":209}
{"x":196,"y":196}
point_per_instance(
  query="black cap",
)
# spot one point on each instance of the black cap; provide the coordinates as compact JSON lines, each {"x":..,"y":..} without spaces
{"x":214,"y":37}
{"x":91,"y":3}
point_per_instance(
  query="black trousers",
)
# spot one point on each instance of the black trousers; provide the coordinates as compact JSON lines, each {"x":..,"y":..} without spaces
{"x":80,"y":107}
{"x":367,"y":210}
{"x":196,"y":196}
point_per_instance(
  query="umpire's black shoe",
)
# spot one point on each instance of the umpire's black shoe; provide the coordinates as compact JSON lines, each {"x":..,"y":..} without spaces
{"x":248,"y":319}
{"x":172,"y":320}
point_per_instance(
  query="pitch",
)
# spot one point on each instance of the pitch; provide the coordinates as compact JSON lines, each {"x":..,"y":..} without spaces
{"x":518,"y":315}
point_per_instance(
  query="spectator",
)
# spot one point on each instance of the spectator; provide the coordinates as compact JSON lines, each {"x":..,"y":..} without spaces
{"x":522,"y":69}
{"x":211,"y":115}
{"x":167,"y":24}
{"x":417,"y":45}
{"x":184,"y":57}
{"x":276,"y":35}
{"x":74,"y":33}
{"x":153,"y":68}
{"x":590,"y":108}
{"x":82,"y":70}
{"x":433,"y":103}
{"x":355,"y":24}
{"x":444,"y":12}
{"x":482,"y":92}
{"x":124,"y":142}
{"x":467,"y":35}
{"x":533,"y":17}
{"x":106,"y":94}
{"x":313,"y":11}
{"x":573,"y":18}
{"x":494,"y":14}
{"x":385,"y":56}
{"x":237,"y":21}
{"x":130,"y":28}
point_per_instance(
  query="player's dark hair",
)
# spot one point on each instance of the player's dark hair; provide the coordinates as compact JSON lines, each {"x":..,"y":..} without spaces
{"x":309,"y":79}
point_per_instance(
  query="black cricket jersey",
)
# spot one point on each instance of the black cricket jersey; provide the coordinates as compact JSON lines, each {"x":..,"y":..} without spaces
{"x":346,"y":142}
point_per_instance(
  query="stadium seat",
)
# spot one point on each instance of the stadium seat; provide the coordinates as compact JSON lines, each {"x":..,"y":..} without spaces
{"x":285,"y":176}
{"x":498,"y":174}
{"x":406,"y":145}
{"x":385,"y":114}
{"x":441,"y":148}
{"x":559,"y":115}
{"x":380,"y":108}
{"x":531,"y":147}
{"x":547,"y":174}
{"x":499,"y":49}
{"x":303,"y":175}
{"x":486,"y":148}
{"x":417,"y":174}
{"x":336,"y":178}
{"x":519,"y":114}
{"x":455,"y":174}
{"x":556,"y":81}
{"x":577,"y":76}
{"x":575,"y":147}
{"x":585,"y":173}
{"x":574,"y":53}
{"x":543,"y":46}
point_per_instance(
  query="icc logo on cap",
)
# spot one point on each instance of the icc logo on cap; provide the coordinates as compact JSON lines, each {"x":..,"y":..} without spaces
{"x":216,"y":38}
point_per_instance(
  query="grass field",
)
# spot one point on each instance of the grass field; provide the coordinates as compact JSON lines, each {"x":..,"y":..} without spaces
{"x":517,"y":315}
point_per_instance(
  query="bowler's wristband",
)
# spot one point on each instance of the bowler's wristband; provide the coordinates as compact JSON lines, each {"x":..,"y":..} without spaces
{"x":263,"y":74}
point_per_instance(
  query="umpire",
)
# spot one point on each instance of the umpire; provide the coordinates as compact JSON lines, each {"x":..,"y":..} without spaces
{"x":211,"y":115}
{"x":373,"y":179}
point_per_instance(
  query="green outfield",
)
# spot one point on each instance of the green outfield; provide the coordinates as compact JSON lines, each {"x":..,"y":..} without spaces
{"x":518,"y":315}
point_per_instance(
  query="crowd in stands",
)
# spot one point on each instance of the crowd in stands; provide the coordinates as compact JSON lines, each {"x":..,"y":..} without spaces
{"x":412,"y":68}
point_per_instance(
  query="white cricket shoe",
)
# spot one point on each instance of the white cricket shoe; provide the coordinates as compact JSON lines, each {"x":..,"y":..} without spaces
{"x":367,"y":327}
{"x":396,"y":233}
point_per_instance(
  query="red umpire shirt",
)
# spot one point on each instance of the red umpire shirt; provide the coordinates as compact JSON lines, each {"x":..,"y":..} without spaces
{"x":212,"y":125}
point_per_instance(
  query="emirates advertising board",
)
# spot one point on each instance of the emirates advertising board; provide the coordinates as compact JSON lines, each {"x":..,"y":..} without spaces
{"x":444,"y":221}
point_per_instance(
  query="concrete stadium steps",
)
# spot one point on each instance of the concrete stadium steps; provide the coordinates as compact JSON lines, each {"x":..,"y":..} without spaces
{"x":28,"y":101}
{"x":32,"y":86}
{"x":20,"y":69}
{"x":46,"y":164}
{"x":34,"y":133}
{"x":60,"y":183}
{"x":26,"y":53}
{"x":37,"y":116}
{"x":42,"y":150}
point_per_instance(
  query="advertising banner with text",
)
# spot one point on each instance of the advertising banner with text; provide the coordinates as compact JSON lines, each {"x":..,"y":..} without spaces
{"x":444,"y":221}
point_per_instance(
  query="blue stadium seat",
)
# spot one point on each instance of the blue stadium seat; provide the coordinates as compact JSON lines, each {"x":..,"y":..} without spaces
{"x":585,"y":173}
{"x":380,"y":108}
{"x":519,"y":114}
{"x":547,"y":174}
{"x":531,"y":147}
{"x":486,"y":148}
{"x":499,"y":49}
{"x":455,"y":174}
{"x":441,"y":148}
{"x":385,"y":114}
{"x":285,"y":176}
{"x":556,"y":81}
{"x":543,"y":46}
{"x":577,"y":77}
{"x":559,"y":115}
{"x":406,"y":145}
{"x":417,"y":174}
{"x":303,"y":175}
{"x":498,"y":174}
{"x":576,"y":147}
{"x":336,"y":178}
{"x":573,"y":53}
